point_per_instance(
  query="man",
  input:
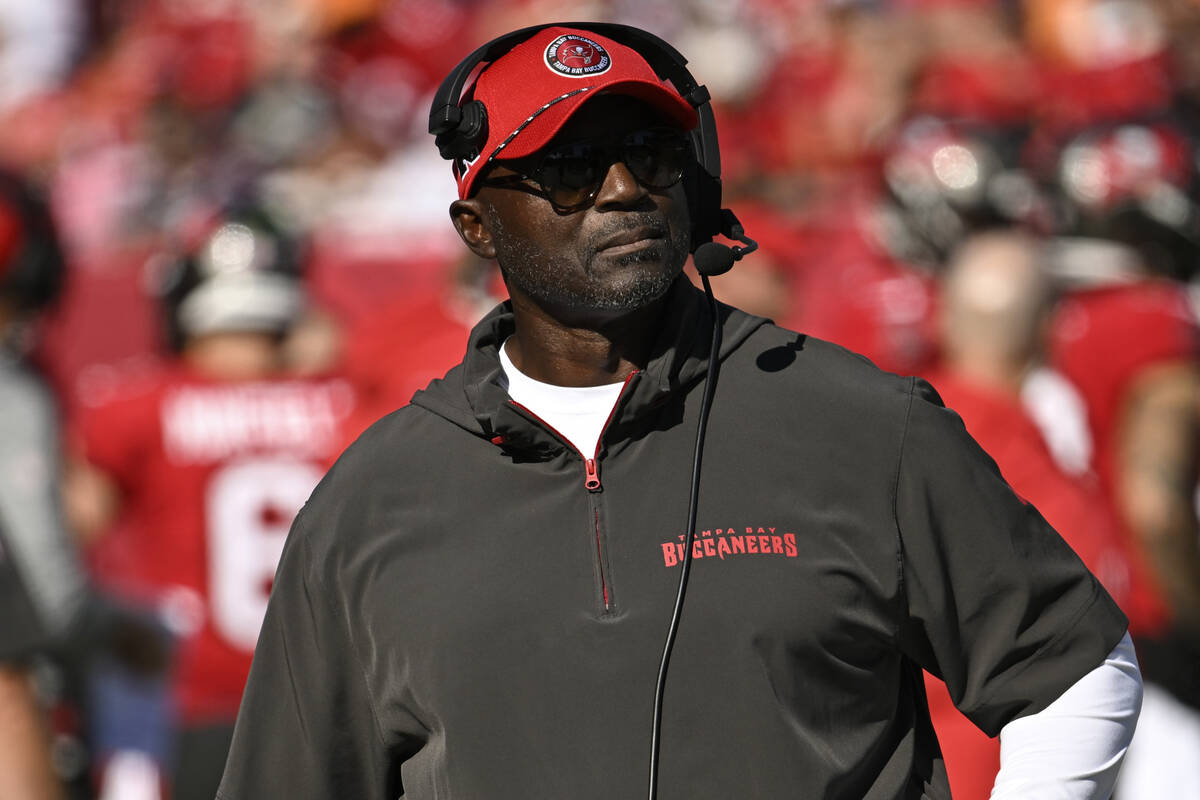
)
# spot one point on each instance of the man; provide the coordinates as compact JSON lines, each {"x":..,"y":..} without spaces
{"x":204,"y":463}
{"x":49,"y":612}
{"x":43,"y":593}
{"x":994,"y":305}
{"x":1126,"y":337}
{"x":473,"y":603}
{"x":997,"y":296}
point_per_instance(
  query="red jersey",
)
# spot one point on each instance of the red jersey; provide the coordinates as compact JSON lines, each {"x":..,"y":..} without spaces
{"x":1076,"y":510}
{"x":1102,"y":340}
{"x":212,"y":474}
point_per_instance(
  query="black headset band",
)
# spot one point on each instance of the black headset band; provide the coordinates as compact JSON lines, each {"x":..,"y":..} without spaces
{"x":667,"y":62}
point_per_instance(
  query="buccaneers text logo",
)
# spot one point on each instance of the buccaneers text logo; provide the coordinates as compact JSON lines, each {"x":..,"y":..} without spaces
{"x":723,"y":543}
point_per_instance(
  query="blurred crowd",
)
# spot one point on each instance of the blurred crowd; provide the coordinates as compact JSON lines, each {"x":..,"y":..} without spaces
{"x":225,"y":250}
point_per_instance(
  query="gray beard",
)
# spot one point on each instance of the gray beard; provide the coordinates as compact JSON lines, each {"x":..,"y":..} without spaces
{"x":549,"y":280}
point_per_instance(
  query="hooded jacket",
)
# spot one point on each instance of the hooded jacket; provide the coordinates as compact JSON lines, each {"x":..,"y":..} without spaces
{"x":467,"y":608}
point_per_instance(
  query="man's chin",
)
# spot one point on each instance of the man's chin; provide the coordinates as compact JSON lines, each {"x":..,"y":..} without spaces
{"x":633,"y":295}
{"x":606,"y":300}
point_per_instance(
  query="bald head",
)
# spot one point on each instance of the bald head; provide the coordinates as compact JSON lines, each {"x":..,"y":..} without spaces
{"x":995,"y":297}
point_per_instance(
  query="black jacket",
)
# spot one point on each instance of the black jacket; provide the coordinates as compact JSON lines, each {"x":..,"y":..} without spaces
{"x":457,"y":615}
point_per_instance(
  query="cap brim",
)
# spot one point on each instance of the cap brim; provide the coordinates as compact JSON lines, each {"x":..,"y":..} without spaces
{"x":546,"y":125}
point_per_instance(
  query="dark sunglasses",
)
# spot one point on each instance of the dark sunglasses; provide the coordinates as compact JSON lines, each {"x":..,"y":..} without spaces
{"x":570,"y":175}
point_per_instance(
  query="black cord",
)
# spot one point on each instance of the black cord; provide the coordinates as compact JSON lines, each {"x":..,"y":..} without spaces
{"x":710,"y":386}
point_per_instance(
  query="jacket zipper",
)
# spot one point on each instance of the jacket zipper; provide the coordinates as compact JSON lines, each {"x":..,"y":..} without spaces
{"x":591,"y":481}
{"x":591,"y":474}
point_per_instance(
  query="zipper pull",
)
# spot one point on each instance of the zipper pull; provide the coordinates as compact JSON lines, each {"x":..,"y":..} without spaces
{"x":592,"y":475}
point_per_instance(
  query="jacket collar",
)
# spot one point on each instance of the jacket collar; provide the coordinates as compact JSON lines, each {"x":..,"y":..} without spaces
{"x":678,"y":359}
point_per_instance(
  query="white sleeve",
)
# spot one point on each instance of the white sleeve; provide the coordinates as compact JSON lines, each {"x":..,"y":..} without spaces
{"x":1073,"y":748}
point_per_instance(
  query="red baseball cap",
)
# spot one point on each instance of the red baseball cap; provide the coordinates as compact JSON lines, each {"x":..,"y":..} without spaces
{"x":532,"y":90}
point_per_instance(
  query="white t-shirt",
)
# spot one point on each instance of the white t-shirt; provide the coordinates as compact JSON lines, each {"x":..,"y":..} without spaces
{"x":577,"y":412}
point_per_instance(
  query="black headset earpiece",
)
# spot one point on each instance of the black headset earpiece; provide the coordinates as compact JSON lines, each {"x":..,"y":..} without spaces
{"x":463,"y":141}
{"x":460,"y":131}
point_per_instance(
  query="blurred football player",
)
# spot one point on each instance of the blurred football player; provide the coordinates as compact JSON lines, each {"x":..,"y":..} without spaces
{"x":1127,"y":337}
{"x":995,"y":301}
{"x":42,"y":590}
{"x":206,"y":462}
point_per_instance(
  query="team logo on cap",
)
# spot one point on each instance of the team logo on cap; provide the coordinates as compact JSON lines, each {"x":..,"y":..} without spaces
{"x":577,"y":56}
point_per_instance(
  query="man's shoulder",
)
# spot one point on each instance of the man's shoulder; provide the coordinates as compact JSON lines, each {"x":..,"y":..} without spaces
{"x":812,"y":367}
{"x":402,"y":437}
{"x":408,"y":441}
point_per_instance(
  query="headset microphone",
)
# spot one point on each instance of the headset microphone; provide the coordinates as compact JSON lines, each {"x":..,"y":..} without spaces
{"x":710,"y":258}
{"x":714,"y":258}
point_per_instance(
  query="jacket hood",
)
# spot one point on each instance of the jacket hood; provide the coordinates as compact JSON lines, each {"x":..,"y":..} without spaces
{"x":473,"y":396}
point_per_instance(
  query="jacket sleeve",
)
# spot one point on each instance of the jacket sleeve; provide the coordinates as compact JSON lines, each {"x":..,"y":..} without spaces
{"x":307,"y":726}
{"x":997,"y":604}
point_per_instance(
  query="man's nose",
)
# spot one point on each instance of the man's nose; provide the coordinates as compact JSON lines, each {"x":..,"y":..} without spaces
{"x":620,"y":188}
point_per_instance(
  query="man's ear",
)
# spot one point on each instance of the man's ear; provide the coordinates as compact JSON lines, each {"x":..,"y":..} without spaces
{"x":472,"y":220}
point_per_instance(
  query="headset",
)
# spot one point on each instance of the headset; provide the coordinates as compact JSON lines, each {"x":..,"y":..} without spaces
{"x":460,"y":131}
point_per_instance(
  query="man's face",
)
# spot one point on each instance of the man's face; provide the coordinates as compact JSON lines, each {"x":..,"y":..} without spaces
{"x":617,"y":254}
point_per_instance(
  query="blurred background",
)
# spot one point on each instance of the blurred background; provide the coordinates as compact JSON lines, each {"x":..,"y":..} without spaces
{"x":225,"y":250}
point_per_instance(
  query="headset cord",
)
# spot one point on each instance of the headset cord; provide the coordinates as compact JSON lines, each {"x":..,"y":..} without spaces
{"x":710,"y":386}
